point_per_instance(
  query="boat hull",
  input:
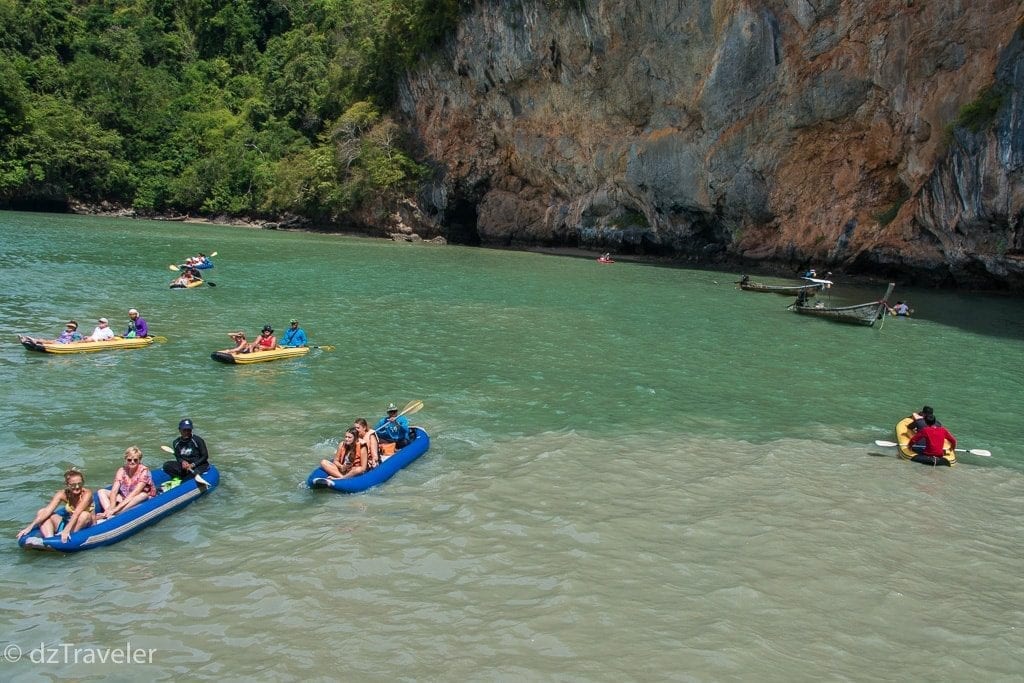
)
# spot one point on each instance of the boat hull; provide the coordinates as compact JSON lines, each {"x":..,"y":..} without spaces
{"x":259,"y":356}
{"x":84,"y":346}
{"x":788,"y":290}
{"x":859,"y":314}
{"x":129,"y":522}
{"x":378,"y":475}
{"x":191,"y":285}
{"x":903,"y":434}
{"x":841,"y":315}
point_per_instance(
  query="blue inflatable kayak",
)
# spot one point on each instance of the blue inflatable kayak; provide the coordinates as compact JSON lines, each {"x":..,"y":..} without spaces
{"x":124,"y":524}
{"x":379,"y":474}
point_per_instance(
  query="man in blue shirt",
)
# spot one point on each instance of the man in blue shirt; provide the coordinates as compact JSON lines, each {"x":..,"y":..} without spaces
{"x":393,"y":429}
{"x":294,"y":336}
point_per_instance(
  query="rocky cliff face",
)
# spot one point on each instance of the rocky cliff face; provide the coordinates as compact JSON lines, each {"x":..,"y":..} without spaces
{"x":784,"y":131}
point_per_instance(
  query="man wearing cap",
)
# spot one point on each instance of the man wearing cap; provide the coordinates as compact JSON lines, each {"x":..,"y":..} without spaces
{"x":294,"y":336}
{"x":393,"y":430}
{"x":191,"y":458}
{"x":102,"y":332}
{"x":137,"y":326}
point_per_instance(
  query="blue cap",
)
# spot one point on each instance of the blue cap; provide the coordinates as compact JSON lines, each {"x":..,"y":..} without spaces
{"x":185,"y":424}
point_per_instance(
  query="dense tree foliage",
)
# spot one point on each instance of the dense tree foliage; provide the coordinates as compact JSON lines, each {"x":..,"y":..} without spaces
{"x":237,"y":106}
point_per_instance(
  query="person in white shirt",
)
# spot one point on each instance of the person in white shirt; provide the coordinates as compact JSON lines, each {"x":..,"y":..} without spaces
{"x":102,"y":332}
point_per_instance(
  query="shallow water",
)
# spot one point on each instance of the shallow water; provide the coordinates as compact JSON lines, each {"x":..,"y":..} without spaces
{"x":636,"y":472}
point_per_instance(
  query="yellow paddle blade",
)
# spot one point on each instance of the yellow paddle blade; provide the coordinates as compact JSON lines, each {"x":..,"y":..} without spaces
{"x":159,"y":339}
{"x":173,"y":267}
{"x":166,"y":449}
{"x":412,"y":407}
{"x":213,"y":254}
{"x":326,"y":347}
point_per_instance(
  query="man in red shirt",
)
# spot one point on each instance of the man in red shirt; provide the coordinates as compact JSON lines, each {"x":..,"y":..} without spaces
{"x":934,"y":436}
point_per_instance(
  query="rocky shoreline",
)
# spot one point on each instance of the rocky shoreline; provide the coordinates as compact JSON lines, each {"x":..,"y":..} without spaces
{"x":768,"y":268}
{"x":291,"y":222}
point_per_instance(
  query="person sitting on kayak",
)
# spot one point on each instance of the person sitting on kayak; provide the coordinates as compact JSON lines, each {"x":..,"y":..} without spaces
{"x":102,"y":331}
{"x":919,"y":418}
{"x":133,"y":484}
{"x":191,"y":456}
{"x":137,"y":326}
{"x":934,"y":436}
{"x":70,"y":334}
{"x":393,"y":430}
{"x":188,"y":276}
{"x":369,"y":443}
{"x":900,"y":309}
{"x":266,"y":341}
{"x":294,"y":335}
{"x":76,"y":514}
{"x":241,"y":343}
{"x":346,"y":457}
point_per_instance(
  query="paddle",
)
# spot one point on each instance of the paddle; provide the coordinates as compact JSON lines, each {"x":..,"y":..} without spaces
{"x":325,"y":347}
{"x":198,"y":477}
{"x":973,"y":451}
{"x":410,"y":408}
{"x":177,"y":268}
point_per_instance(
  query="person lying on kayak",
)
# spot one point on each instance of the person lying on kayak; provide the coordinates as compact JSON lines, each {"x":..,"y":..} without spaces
{"x":76,"y":513}
{"x":266,"y":341}
{"x":345,"y":458}
{"x":133,"y":484}
{"x":934,"y":437}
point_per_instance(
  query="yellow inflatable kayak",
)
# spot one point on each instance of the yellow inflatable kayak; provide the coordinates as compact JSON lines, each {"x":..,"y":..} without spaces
{"x":190,"y":285}
{"x":50,"y":346}
{"x":259,"y":356}
{"x":903,"y":434}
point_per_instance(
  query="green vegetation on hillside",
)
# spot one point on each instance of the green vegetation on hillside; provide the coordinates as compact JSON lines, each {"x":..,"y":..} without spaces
{"x":237,"y":106}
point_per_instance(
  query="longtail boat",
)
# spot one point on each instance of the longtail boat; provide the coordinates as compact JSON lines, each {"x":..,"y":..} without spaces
{"x":859,"y":314}
{"x":791,"y":290}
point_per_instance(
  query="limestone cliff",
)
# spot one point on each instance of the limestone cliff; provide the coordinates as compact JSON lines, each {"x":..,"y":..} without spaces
{"x":880,"y":136}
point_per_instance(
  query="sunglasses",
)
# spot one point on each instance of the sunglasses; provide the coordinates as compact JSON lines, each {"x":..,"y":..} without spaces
{"x":76,"y":485}
{"x":132,"y":460}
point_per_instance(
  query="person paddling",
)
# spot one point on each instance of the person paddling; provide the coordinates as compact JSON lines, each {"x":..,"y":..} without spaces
{"x":191,"y":457}
{"x":934,"y":437}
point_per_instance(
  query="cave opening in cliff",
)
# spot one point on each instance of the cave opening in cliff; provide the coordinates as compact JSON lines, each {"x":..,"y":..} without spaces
{"x":462,"y":223}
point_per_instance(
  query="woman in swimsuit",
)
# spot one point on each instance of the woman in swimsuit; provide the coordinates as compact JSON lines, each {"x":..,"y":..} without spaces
{"x":241,"y":343}
{"x":77,"y":512}
{"x":349,"y":455}
{"x":133,"y":484}
{"x":370,"y":447}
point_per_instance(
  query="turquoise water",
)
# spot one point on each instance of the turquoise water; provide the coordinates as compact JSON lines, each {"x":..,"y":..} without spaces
{"x":637,"y":472}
